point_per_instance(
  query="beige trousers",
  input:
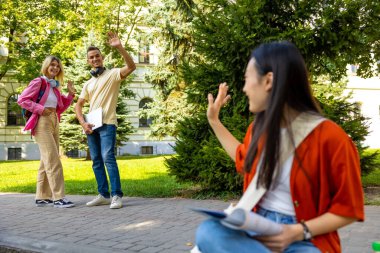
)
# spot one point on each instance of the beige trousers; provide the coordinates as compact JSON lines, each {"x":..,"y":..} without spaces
{"x":50,"y":183}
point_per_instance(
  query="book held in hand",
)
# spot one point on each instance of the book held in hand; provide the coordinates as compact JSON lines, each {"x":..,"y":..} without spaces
{"x":240,"y":219}
{"x":95,"y":118}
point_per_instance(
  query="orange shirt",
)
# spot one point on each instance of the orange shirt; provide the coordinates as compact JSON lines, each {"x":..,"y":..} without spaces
{"x":327,"y":179}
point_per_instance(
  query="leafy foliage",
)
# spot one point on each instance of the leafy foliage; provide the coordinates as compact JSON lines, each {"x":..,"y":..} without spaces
{"x":202,"y":160}
{"x":165,"y":114}
{"x":172,"y":35}
{"x":329,"y":34}
{"x":31,"y":30}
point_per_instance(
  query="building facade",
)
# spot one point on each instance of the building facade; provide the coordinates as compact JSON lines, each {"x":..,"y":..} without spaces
{"x":366,"y":92}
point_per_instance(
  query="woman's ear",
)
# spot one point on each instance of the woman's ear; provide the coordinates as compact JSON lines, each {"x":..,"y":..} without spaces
{"x":268,"y":81}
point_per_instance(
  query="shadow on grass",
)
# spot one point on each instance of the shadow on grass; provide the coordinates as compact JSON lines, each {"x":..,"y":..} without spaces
{"x":140,"y":157}
{"x":17,"y":161}
{"x":131,"y":157}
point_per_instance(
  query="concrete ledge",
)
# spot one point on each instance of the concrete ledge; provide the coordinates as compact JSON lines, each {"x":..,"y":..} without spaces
{"x":13,"y":244}
{"x":6,"y":249}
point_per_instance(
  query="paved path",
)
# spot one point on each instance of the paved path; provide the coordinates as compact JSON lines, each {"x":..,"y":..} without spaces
{"x":144,"y":225}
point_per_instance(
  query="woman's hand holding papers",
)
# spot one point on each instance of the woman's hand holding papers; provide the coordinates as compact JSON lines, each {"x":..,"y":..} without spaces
{"x":278,"y":243}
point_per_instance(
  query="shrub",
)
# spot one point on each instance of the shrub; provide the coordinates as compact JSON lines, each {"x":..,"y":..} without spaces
{"x":201,"y":159}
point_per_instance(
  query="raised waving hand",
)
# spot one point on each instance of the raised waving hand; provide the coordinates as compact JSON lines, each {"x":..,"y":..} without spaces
{"x":214,"y":106}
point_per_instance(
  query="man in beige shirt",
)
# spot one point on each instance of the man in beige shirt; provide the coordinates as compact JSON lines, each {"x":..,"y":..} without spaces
{"x":101,"y":91}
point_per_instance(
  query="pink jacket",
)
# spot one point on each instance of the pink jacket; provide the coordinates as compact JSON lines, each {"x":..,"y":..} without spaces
{"x":30,"y":94}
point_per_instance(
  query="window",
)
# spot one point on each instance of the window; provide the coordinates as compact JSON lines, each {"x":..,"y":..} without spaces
{"x":74,"y":153}
{"x":14,"y":153}
{"x":147,"y":150}
{"x":144,"y":52}
{"x":144,"y":121}
{"x":14,"y":117}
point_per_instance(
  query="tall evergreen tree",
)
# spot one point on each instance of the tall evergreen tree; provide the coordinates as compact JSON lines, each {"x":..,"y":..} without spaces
{"x":172,"y":35}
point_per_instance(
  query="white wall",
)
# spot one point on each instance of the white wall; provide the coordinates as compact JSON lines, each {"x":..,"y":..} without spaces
{"x":29,"y":151}
{"x":159,"y":147}
{"x":367,"y":93}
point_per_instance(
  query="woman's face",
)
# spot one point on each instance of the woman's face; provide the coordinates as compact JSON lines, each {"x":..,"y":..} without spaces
{"x":53,"y":69}
{"x":257,"y":88}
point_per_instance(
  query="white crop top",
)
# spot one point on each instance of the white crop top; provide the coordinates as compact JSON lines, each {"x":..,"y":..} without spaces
{"x":51,"y":100}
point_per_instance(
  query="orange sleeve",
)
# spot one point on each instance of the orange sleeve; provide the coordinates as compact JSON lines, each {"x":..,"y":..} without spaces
{"x":242,"y":150}
{"x":345,"y":177}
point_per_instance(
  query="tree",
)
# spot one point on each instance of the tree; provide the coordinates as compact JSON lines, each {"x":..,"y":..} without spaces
{"x":329,"y":34}
{"x":31,"y":30}
{"x":171,"y":33}
{"x":71,"y":136}
{"x":166,"y":113}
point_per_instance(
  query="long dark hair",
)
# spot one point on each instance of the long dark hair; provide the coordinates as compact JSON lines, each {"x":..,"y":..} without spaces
{"x":290,"y":88}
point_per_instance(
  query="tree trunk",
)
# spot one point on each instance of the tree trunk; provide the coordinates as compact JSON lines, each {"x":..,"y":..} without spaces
{"x":88,"y":156}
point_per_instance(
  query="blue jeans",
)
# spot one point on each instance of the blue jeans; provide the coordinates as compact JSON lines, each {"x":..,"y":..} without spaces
{"x":211,"y":236}
{"x":102,"y":150}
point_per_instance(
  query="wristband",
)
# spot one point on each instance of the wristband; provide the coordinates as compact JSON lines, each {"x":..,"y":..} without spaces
{"x":306,"y":232}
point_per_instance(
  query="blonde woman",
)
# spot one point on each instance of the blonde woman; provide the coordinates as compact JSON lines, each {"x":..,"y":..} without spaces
{"x":45,"y":101}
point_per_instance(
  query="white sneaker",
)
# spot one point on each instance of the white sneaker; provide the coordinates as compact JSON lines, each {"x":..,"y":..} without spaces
{"x":116,"y":202}
{"x":98,"y":201}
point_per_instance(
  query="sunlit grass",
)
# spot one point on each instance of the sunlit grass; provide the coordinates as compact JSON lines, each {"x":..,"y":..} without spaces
{"x":372,"y":179}
{"x":140,"y":176}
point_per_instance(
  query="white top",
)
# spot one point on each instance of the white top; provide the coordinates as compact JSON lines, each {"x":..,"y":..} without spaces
{"x":51,"y":100}
{"x":102,"y":92}
{"x":279,"y":199}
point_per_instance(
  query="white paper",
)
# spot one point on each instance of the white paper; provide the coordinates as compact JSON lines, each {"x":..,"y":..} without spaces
{"x":249,"y":221}
{"x":95,"y":118}
{"x":240,"y":219}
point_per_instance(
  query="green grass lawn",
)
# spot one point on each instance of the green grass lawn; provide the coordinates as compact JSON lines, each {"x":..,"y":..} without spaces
{"x":371,"y":183}
{"x":372,"y":179}
{"x":140,"y":176}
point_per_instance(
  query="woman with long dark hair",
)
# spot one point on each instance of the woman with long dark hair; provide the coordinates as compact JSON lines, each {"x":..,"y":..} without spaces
{"x":313,"y":190}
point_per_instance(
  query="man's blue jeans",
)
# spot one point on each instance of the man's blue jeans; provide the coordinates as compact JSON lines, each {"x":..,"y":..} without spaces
{"x":102,"y":150}
{"x":211,"y":237}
